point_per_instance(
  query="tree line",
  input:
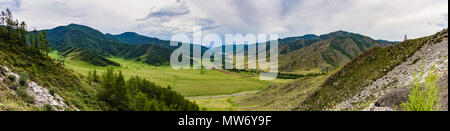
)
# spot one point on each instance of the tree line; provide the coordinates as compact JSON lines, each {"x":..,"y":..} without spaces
{"x":16,"y":33}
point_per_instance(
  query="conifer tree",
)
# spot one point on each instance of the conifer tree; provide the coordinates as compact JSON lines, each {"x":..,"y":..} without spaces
{"x":89,"y":76}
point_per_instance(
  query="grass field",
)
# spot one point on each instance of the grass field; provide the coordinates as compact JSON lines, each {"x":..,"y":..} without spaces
{"x":186,"y":82}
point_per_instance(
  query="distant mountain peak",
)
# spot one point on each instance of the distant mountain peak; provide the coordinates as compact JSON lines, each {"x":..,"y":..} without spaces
{"x":340,"y":33}
{"x":309,"y":35}
{"x":129,"y":33}
{"x":77,"y":25}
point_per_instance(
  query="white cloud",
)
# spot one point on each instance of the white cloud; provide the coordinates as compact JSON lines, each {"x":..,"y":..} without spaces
{"x":380,"y":19}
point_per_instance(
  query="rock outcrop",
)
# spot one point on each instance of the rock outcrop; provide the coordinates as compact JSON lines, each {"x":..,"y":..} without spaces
{"x":393,"y":100}
{"x":40,"y":94}
{"x":43,"y":97}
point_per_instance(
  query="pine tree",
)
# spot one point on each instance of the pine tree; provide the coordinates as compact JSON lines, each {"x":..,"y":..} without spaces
{"x":95,"y":76}
{"x":23,"y":33}
{"x":43,"y":43}
{"x":35,"y":42}
{"x":89,"y":76}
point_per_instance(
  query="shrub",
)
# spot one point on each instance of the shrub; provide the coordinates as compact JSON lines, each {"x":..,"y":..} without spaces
{"x":47,"y":107}
{"x":423,"y":96}
{"x":22,"y":93}
{"x":11,"y":77}
{"x":23,"y":78}
{"x":15,"y":86}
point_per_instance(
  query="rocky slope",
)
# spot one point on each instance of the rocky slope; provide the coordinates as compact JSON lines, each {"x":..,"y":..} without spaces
{"x":389,"y":91}
{"x":40,"y":96}
{"x":376,"y":80}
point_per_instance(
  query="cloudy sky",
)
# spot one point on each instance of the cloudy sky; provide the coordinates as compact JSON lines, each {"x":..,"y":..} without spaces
{"x":379,"y":19}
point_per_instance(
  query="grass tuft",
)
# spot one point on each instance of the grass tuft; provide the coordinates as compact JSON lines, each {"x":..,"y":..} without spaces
{"x":423,"y":96}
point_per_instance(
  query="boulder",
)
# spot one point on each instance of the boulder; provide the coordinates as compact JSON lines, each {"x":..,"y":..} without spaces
{"x":394,"y":98}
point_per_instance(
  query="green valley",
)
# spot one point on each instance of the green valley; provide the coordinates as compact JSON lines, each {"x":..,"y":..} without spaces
{"x":186,"y":82}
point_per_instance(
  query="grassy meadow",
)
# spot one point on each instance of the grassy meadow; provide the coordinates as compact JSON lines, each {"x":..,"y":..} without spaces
{"x":187,"y":82}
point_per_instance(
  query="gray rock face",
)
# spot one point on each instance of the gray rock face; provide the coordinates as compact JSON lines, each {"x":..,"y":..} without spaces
{"x":43,"y":97}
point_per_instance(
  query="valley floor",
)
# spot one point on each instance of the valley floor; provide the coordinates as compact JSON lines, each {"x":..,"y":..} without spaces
{"x":190,"y":83}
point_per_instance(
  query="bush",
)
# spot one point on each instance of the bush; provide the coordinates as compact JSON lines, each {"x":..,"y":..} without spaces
{"x":47,"y":107}
{"x":15,"y":86}
{"x":22,"y":93}
{"x":11,"y":77}
{"x":423,"y":96}
{"x":23,"y":78}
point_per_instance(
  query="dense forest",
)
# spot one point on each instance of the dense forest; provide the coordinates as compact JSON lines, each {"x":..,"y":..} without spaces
{"x":27,"y":52}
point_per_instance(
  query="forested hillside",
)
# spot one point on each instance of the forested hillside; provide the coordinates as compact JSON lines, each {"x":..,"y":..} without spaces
{"x":314,"y":54}
{"x":72,"y":36}
{"x":330,"y":52}
{"x":31,"y":80}
{"x":77,"y":54}
{"x":135,"y":38}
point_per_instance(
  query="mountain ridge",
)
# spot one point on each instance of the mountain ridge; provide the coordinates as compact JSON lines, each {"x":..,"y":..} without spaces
{"x":63,"y":38}
{"x":329,"y":53}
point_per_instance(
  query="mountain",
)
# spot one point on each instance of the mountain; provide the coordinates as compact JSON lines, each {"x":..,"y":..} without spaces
{"x":77,"y":54}
{"x":136,"y":39}
{"x":312,"y":53}
{"x":286,"y":45}
{"x":328,"y":52}
{"x":305,"y":37}
{"x":83,"y":37}
{"x":72,"y":36}
{"x":386,"y":41}
{"x":148,"y":53}
{"x":376,"y":80}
